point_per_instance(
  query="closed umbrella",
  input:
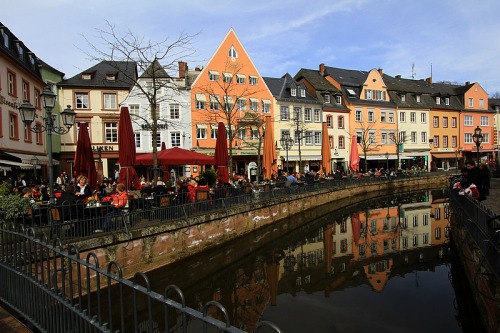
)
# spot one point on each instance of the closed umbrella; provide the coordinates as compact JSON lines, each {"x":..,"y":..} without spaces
{"x":269,"y":157}
{"x":84,"y":164}
{"x":326,"y":154}
{"x":221,"y":156}
{"x":354,"y":158}
{"x":126,"y":151}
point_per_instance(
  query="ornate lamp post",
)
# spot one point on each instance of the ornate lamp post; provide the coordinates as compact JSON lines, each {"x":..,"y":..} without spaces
{"x":34,"y":162}
{"x":287,"y":143}
{"x":477,"y":137}
{"x":28,"y":113}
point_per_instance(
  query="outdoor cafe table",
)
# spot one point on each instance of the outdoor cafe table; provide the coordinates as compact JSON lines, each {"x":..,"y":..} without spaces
{"x":93,"y":216}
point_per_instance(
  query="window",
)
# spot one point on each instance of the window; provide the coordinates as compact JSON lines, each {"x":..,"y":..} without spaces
{"x":340,"y":120}
{"x":423,"y":137}
{"x":200,"y":101}
{"x":326,"y":98}
{"x":445,"y":122}
{"x":317,"y":115}
{"x":297,"y":113}
{"x":454,"y":141}
{"x":137,"y":137}
{"x":175,"y":112}
{"x":11,"y":83}
{"x":26,"y":91}
{"x":445,"y":141}
{"x":307,"y":114}
{"x":371,"y":137}
{"x":213,"y":75}
{"x":435,"y":121}
{"x":232,"y":52}
{"x":402,"y":117}
{"x":27,"y":134}
{"x":214,"y":102}
{"x":467,"y":120}
{"x":481,"y":103}
{"x":156,"y":141}
{"x":423,"y":118}
{"x":266,"y":106}
{"x":134,"y":109}
{"x":241,"y":104}
{"x":254,"y":132}
{"x":338,"y":99}
{"x":213,"y":132}
{"x":329,"y":121}
{"x":86,"y":76}
{"x":39,"y":136}
{"x":341,"y":142}
{"x":391,"y":117}
{"x":486,"y":137}
{"x":446,"y":101}
{"x":110,"y":77}
{"x":484,"y":121}
{"x":293,"y":92}
{"x":227,"y":77}
{"x":284,"y":113}
{"x":454,"y":122}
{"x":240,"y":79}
{"x":175,"y":139}
{"x":413,"y":117}
{"x":309,"y":137}
{"x":402,"y":136}
{"x":201,"y":131}
{"x":5,"y":39}
{"x":317,"y":138}
{"x":435,"y":141}
{"x":111,"y":132}
{"x":351,"y":92}
{"x":242,"y":133}
{"x":402,"y":97}
{"x":383,"y":137}
{"x":371,"y":115}
{"x":38,"y":100}
{"x":82,"y":100}
{"x":302,"y":92}
{"x":383,"y":116}
{"x":438,"y":100}
{"x":368,"y":94}
{"x":13,"y":126}
{"x":110,"y":101}
{"x":471,"y":102}
{"x":468,"y":138}
{"x":413,"y":137}
{"x":252,"y":80}
{"x":254,"y":104}
{"x":418,"y":98}
{"x":359,"y":115}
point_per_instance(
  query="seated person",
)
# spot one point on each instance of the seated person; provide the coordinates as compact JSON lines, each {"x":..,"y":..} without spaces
{"x":120,"y":200}
{"x":67,"y":203}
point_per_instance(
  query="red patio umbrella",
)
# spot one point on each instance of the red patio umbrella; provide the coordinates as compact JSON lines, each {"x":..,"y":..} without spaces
{"x":126,"y":151}
{"x":326,"y":153}
{"x":354,"y":158}
{"x":221,"y":156}
{"x":84,"y":164}
{"x":356,"y":228}
{"x":269,"y":156}
{"x":175,"y":156}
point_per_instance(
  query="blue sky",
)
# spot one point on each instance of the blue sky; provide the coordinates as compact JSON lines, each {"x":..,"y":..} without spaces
{"x":455,"y":40}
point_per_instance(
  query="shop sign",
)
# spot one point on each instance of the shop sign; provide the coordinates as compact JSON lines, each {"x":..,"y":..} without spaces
{"x":102,"y":148}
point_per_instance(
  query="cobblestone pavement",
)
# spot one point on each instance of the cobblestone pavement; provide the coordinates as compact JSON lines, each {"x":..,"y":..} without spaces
{"x":493,"y":200}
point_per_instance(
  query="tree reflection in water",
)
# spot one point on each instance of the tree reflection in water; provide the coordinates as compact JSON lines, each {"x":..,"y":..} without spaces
{"x":380,"y":264}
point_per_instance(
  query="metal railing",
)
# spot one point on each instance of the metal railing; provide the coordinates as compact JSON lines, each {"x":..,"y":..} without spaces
{"x":58,"y":290}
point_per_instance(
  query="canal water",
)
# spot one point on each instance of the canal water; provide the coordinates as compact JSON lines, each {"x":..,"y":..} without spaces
{"x":382,"y":265}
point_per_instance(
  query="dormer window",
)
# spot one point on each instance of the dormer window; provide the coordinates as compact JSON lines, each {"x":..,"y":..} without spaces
{"x":86,"y":76}
{"x":447,"y":101}
{"x":5,"y":38}
{"x":338,"y":99}
{"x":351,"y":92}
{"x":438,"y":100}
{"x":20,"y":50}
{"x":302,"y":92}
{"x":293,"y":92}
{"x":110,"y":77}
{"x":418,"y":98}
{"x":327,"y":98}
{"x":402,"y":97}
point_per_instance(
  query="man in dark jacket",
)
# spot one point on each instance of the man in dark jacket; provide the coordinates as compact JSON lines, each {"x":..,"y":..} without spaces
{"x":474,"y":177}
{"x":68,"y":203}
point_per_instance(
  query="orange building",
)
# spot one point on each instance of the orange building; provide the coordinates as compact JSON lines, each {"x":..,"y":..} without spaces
{"x":231,"y":90}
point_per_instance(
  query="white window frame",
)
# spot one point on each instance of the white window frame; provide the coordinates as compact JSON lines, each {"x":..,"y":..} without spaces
{"x":468,"y":120}
{"x":111,"y":132}
{"x":175,"y":139}
{"x":175,"y":111}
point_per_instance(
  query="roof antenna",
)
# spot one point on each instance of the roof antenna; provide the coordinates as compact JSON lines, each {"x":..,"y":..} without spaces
{"x":431,"y":70}
{"x":413,"y":74}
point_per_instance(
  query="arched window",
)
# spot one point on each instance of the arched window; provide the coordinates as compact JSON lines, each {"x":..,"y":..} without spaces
{"x":232,"y":52}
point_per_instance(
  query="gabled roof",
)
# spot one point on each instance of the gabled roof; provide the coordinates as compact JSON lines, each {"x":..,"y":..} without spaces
{"x":347,"y":77}
{"x":155,"y":70}
{"x":281,"y":90}
{"x":18,"y":52}
{"x":125,"y":73}
{"x":493,"y":103}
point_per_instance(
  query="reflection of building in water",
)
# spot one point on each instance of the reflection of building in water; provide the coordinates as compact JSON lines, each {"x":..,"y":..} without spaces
{"x":415,"y":225}
{"x":440,"y":217}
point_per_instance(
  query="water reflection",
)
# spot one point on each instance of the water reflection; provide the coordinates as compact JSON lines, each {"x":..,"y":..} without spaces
{"x":384,"y":261}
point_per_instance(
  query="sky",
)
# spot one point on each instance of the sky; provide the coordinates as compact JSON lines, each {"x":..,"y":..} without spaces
{"x":451,"y":40}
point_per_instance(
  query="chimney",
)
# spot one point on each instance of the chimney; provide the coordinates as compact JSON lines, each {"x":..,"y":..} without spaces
{"x":467,"y":83}
{"x":182,"y":69}
{"x":381,"y":71}
{"x":398,"y":76}
{"x":429,"y":79}
{"x":322,"y":69}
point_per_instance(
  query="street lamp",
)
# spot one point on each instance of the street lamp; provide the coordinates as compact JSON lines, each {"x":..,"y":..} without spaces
{"x":478,"y":139}
{"x":34,"y":162}
{"x":387,"y":160}
{"x":287,"y":143}
{"x":28,"y":114}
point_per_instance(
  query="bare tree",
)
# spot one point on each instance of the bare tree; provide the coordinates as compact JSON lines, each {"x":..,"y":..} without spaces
{"x":398,"y":138}
{"x":153,"y":60}
{"x":228,"y":104}
{"x":366,"y":136}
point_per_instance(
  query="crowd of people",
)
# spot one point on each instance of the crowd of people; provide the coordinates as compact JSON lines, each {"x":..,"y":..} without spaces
{"x":474,"y":181}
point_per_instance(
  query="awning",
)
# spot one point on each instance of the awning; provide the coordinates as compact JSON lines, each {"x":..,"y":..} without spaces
{"x":6,"y":165}
{"x":26,"y":159}
{"x":445,"y":155}
{"x":303,"y":157}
